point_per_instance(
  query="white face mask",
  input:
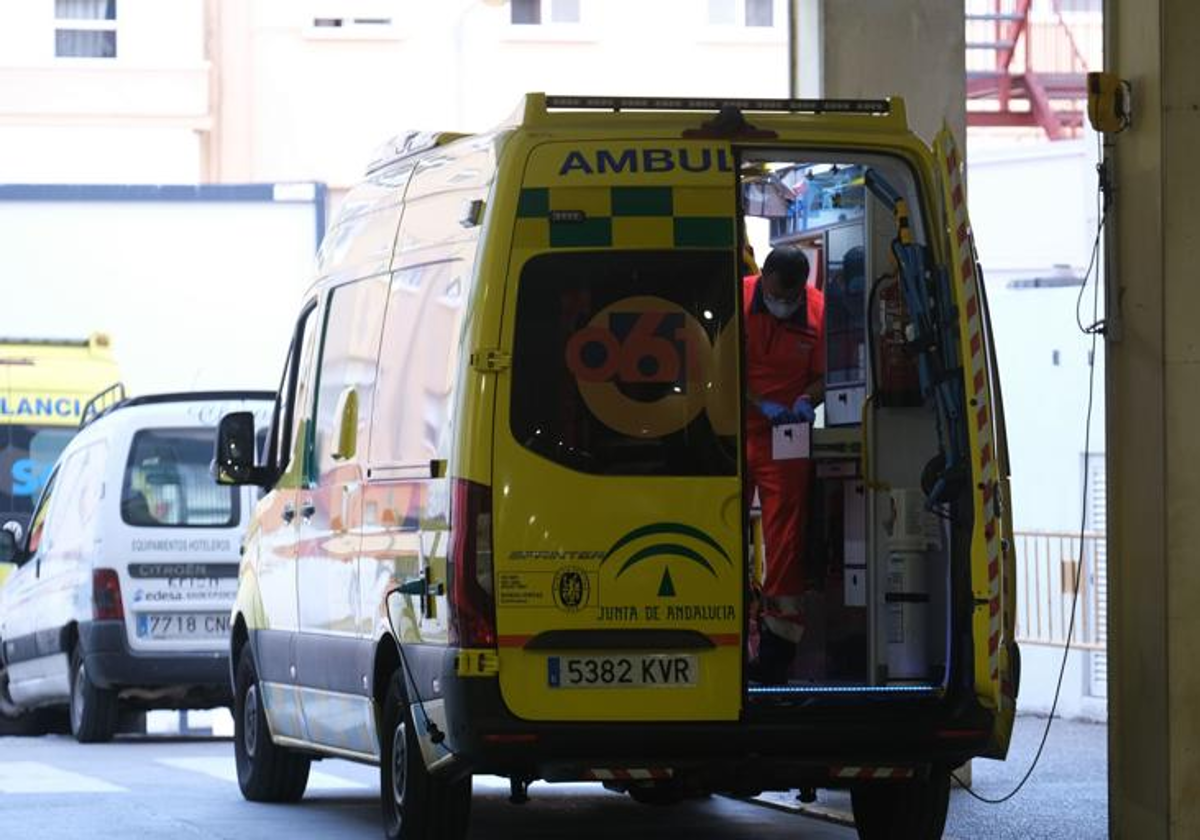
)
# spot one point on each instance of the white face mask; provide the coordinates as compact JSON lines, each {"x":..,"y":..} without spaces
{"x":781,"y":309}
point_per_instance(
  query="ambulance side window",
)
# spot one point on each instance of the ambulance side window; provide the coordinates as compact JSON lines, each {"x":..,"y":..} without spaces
{"x":287,"y":421}
{"x":348,"y":354}
{"x":418,"y":362}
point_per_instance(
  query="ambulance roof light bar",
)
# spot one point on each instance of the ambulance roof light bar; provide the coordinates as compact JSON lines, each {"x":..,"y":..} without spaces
{"x":96,"y":338}
{"x":805,"y":106}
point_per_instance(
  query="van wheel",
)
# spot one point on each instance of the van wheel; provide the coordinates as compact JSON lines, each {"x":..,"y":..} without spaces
{"x":266,"y":772}
{"x":914,"y":809}
{"x":416,"y":804}
{"x":93,"y":709}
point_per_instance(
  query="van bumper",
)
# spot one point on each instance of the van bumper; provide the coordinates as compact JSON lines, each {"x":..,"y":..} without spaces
{"x":758,"y":752}
{"x":112,"y":664}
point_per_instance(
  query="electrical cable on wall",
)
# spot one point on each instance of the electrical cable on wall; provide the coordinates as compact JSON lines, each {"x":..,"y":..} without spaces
{"x":1095,"y":328}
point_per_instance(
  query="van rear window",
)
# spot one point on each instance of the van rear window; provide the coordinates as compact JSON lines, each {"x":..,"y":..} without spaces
{"x":168,"y":485}
{"x":626,"y":363}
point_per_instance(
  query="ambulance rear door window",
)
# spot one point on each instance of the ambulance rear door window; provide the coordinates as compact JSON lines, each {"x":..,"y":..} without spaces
{"x":625,"y":362}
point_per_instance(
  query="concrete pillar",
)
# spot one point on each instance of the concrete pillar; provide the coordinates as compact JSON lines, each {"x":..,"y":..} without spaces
{"x":1153,"y":407}
{"x":913,"y":48}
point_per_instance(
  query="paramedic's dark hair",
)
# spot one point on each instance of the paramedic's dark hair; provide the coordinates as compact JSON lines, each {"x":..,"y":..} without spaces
{"x":789,"y":263}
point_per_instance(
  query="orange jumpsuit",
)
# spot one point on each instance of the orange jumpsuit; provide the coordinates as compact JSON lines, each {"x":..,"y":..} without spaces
{"x":783,"y":358}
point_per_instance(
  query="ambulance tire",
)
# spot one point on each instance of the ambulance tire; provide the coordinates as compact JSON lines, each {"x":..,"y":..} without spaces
{"x":914,"y":809}
{"x":416,"y":804}
{"x":93,"y":709}
{"x":266,"y":772}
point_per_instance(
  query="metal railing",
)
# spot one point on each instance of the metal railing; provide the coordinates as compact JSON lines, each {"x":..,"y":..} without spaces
{"x":1027,"y":61}
{"x":1045,"y":36}
{"x":1046,"y":573}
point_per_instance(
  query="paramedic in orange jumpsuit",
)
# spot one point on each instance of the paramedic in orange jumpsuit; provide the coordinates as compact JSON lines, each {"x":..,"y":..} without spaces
{"x":785,"y":367}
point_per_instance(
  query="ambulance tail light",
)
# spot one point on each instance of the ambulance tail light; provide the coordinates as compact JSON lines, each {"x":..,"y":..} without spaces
{"x":106,"y":595}
{"x":472,"y":595}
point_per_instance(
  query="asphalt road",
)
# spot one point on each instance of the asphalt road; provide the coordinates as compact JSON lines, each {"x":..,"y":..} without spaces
{"x":1065,"y":798}
{"x":164,"y":785}
{"x":179,"y":788}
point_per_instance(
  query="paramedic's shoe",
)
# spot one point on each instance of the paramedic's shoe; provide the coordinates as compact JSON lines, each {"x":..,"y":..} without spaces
{"x":758,"y":671}
{"x":774,"y":660}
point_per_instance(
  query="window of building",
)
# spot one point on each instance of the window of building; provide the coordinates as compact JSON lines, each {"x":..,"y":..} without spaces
{"x":545,"y":11}
{"x":757,"y":13}
{"x":354,"y":20}
{"x":85,"y":28}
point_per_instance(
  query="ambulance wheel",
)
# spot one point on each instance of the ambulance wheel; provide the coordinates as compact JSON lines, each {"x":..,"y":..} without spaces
{"x":266,"y":772}
{"x":93,"y":709}
{"x":914,"y":809}
{"x":416,"y":804}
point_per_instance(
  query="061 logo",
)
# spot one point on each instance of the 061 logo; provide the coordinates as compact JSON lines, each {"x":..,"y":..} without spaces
{"x":645,"y":367}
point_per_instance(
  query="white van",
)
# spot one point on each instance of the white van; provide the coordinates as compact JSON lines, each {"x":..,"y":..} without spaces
{"x":125,"y":579}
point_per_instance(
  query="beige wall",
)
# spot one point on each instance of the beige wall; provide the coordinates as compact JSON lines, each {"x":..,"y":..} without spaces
{"x":285,"y":99}
{"x":136,"y":118}
{"x":301,"y":102}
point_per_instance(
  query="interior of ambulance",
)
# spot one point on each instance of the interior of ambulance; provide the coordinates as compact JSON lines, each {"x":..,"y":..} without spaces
{"x":874,"y":602}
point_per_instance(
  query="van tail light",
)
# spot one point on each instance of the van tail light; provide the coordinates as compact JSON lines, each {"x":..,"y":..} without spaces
{"x":106,"y":595}
{"x":472,"y":596}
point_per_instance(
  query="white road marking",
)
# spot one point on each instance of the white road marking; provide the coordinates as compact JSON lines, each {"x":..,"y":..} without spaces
{"x":223,"y":768}
{"x":36,"y":777}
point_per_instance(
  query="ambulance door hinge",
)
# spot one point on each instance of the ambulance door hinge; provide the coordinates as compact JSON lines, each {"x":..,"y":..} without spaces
{"x":490,"y":360}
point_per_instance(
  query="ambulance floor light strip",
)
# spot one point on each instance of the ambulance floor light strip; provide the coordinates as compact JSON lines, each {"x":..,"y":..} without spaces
{"x":844,"y":689}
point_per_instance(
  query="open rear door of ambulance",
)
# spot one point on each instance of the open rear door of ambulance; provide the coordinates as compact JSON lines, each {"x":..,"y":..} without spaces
{"x":618,"y":519}
{"x":993,"y":572}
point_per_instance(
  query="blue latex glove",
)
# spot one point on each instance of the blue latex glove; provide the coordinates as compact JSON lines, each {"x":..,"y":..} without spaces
{"x":776,"y":413}
{"x":802,"y":409}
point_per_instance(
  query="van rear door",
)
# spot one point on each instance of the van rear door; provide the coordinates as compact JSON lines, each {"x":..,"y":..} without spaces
{"x":993,"y":570}
{"x":617,"y":490}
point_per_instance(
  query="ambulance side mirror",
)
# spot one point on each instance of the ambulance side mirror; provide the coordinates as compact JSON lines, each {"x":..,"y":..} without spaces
{"x":233,"y":462}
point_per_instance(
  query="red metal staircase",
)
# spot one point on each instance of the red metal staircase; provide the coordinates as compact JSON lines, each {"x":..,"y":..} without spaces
{"x":1027,"y":62}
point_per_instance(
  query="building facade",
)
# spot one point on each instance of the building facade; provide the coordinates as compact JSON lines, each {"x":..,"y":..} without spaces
{"x":228,"y":91}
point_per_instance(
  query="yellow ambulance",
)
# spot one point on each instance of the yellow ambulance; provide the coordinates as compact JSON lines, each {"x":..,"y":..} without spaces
{"x":44,"y":386}
{"x":507,"y":526}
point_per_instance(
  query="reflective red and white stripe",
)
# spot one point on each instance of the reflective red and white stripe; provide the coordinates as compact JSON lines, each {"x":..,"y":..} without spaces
{"x":627,"y":774}
{"x":980,"y":408}
{"x":871,"y":772}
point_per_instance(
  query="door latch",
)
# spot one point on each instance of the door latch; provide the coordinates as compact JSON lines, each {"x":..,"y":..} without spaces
{"x":491,"y":360}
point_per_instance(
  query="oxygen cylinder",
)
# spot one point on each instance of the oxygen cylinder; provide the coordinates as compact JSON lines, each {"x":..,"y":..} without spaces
{"x":914,"y":540}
